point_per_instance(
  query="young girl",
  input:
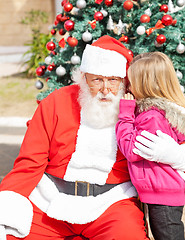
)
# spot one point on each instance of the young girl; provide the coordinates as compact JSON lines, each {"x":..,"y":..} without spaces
{"x":158,"y":105}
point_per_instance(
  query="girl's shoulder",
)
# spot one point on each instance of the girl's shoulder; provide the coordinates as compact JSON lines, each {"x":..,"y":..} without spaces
{"x":161,"y":109}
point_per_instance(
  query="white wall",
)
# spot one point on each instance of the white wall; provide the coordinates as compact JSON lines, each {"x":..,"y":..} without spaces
{"x":58,"y":7}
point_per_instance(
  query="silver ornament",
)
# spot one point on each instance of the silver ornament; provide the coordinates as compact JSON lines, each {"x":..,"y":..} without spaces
{"x":104,"y":12}
{"x":81,"y":4}
{"x":179,"y":75}
{"x":148,"y":12}
{"x":87,"y":36}
{"x":48,"y":60}
{"x":180,"y":3}
{"x":119,"y":27}
{"x":180,"y":48}
{"x":75,"y":59}
{"x":140,"y":30}
{"x":60,"y":71}
{"x":157,"y":44}
{"x":110,"y":23}
{"x":75,"y":11}
{"x":39,"y":85}
{"x":182,"y":88}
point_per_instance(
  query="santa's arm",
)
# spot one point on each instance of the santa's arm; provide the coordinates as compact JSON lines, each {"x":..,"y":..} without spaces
{"x":15,"y":208}
{"x":160,"y":148}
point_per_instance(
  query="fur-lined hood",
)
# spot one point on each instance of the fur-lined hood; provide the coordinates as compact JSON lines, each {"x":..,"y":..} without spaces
{"x":174,"y":113}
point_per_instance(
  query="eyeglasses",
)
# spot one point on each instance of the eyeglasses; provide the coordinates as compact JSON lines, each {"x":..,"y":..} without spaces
{"x":99,"y":83}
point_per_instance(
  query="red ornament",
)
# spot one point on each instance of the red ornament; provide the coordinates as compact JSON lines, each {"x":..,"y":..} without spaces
{"x":163,"y":8}
{"x":53,"y":53}
{"x":174,"y":22}
{"x":161,"y":39}
{"x":64,"y":2}
{"x":167,"y":20}
{"x":51,"y":67}
{"x":50,"y":46}
{"x":62,"y":43}
{"x":43,"y":67}
{"x":56,"y":22}
{"x":98,"y":1}
{"x":98,"y":16}
{"x":62,"y":31}
{"x":124,"y":39}
{"x":108,"y":3}
{"x":68,"y":7}
{"x":58,"y":17}
{"x":64,"y":18}
{"x":69,"y":25}
{"x":38,"y":101}
{"x":131,"y":53}
{"x":53,"y":31}
{"x":47,"y":79}
{"x":40,"y":71}
{"x":72,"y":41}
{"x":145,"y":18}
{"x":128,"y":5}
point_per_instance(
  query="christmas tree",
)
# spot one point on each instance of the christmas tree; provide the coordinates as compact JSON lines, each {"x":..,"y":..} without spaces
{"x":142,"y":26}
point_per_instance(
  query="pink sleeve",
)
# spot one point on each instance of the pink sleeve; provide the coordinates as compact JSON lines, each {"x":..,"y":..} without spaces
{"x":128,"y":127}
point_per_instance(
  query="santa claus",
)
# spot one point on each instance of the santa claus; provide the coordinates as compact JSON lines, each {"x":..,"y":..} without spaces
{"x":70,"y":180}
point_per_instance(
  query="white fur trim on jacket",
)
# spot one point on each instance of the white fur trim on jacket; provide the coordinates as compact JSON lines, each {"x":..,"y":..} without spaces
{"x":95,"y":155}
{"x":174,"y":113}
{"x":77,"y":209}
{"x":16,"y":213}
{"x":96,"y":60}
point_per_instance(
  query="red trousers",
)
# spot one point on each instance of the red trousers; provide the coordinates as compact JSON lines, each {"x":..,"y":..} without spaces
{"x":121,"y":221}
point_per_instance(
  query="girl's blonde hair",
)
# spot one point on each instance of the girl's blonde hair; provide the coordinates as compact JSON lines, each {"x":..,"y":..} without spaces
{"x":153,"y":75}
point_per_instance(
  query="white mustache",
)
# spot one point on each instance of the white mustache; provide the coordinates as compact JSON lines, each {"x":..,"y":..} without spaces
{"x":109,"y":96}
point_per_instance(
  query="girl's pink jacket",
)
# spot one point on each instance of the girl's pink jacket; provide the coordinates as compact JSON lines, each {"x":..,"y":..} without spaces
{"x":156,"y":183}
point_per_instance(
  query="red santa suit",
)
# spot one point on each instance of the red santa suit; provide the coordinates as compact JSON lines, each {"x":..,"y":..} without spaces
{"x":59,"y":147}
{"x":58,"y":143}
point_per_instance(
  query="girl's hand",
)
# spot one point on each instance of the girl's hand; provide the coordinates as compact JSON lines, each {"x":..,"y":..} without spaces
{"x":128,"y":96}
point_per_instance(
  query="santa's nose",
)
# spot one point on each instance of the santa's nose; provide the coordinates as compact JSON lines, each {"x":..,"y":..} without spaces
{"x":105,"y":90}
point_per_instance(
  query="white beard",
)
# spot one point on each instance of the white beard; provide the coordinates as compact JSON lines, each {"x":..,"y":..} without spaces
{"x":96,"y":113}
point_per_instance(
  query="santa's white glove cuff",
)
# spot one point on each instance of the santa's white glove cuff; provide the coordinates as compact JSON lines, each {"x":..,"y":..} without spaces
{"x":161,"y":148}
{"x":16,"y":213}
{"x":179,"y":162}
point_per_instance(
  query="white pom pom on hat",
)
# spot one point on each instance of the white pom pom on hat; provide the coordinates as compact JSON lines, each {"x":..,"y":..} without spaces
{"x":107,"y":57}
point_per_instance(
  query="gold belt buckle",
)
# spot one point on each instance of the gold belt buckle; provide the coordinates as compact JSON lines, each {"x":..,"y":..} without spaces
{"x":76,"y":187}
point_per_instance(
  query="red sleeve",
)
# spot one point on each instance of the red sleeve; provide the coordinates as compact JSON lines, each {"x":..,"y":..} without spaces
{"x":33,"y":157}
{"x":128,"y":127}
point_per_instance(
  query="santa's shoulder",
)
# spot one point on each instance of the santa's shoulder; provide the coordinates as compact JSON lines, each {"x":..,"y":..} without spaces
{"x":63,"y":93}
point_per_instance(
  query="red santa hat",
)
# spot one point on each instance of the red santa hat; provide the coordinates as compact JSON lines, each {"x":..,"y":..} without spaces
{"x":107,"y":57}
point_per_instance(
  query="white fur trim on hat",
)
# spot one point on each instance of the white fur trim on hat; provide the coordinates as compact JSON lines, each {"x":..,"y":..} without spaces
{"x":16,"y":213}
{"x":99,"y":61}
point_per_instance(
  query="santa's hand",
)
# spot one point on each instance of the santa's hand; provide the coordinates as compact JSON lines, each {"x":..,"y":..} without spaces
{"x":160,"y":148}
{"x":2,"y":233}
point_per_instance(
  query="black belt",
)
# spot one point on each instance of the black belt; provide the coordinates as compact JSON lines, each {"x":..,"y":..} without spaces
{"x":80,"y":188}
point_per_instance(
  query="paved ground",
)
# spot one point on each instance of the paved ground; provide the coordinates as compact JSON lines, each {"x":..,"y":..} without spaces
{"x":12,"y":129}
{"x":10,"y":141}
{"x":8,"y":153}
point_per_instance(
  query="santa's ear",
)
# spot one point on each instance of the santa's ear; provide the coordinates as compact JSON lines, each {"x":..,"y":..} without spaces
{"x":127,"y":83}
